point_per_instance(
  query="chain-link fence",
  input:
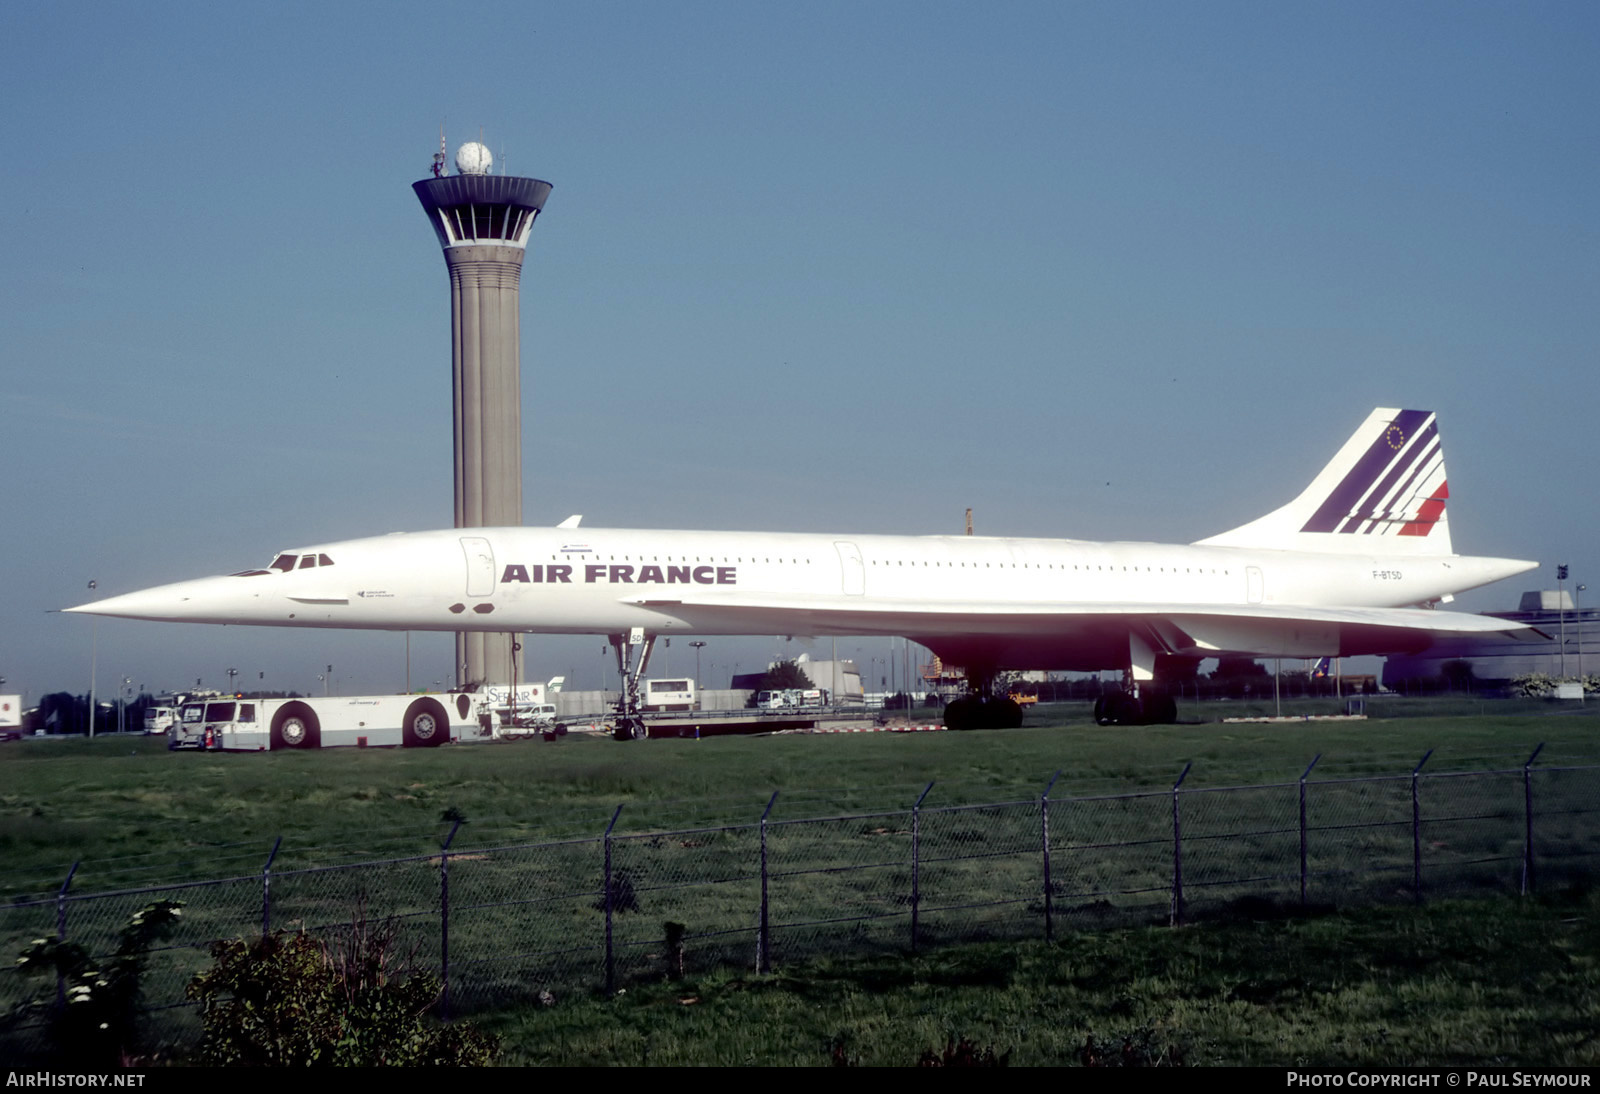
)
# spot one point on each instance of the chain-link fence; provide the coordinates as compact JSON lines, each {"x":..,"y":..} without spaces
{"x":501,"y":925}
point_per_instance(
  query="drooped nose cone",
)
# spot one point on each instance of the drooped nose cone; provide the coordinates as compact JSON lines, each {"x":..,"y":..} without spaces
{"x":207,"y":600}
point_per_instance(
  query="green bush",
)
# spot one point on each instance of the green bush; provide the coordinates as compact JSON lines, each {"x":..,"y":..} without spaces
{"x":96,"y":1023}
{"x":294,"y":1000}
{"x":1540,"y":685}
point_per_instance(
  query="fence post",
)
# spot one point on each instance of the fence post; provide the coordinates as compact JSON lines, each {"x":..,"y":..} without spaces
{"x":1175,"y":914}
{"x":611,"y":960}
{"x":61,"y":931}
{"x":1416,"y":831}
{"x":266,"y":888}
{"x":763,"y":937}
{"x":1044,"y":843}
{"x":916,"y":863}
{"x":444,"y":919}
{"x":1527,"y":821}
{"x":1306,"y":774}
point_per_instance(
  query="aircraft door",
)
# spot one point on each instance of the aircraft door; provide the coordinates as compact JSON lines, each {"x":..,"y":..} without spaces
{"x":1255,"y":584}
{"x":852,"y":573}
{"x":480,"y":565}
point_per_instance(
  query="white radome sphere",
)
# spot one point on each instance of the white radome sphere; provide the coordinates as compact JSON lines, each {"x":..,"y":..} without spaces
{"x":473,"y":158}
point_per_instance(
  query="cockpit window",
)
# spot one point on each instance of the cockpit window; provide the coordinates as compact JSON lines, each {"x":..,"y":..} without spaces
{"x":285,"y":563}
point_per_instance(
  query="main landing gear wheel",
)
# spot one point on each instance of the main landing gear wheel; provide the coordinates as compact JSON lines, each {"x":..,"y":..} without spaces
{"x":1160,"y":710}
{"x":425,"y":725}
{"x":1122,"y":709}
{"x":972,"y":712}
{"x":295,"y":725}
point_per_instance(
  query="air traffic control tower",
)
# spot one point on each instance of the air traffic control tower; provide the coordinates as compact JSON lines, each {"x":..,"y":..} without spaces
{"x":483,"y":221}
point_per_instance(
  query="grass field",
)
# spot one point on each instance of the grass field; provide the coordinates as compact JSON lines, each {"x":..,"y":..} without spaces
{"x":1496,"y":982}
{"x":132,"y":812}
{"x":135,"y":816}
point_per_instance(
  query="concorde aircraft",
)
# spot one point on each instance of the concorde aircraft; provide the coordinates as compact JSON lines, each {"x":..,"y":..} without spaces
{"x":1355,"y":565}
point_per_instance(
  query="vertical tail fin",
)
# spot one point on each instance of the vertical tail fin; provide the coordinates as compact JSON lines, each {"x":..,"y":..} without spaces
{"x":1383,"y":493}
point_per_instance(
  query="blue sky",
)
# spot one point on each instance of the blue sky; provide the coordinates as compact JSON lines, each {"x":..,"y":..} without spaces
{"x":1096,"y":270}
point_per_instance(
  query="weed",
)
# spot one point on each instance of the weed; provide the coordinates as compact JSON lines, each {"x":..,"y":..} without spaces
{"x":1142,"y":1047}
{"x":964,"y":1053}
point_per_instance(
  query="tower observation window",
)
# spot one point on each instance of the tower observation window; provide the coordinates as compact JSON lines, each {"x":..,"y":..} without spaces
{"x":499,"y":220}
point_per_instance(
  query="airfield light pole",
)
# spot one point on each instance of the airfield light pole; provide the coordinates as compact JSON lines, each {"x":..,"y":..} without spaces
{"x":94,"y":654}
{"x":698,"y":646}
{"x":1577,"y":602}
{"x":1561,"y":613}
{"x":483,"y":221}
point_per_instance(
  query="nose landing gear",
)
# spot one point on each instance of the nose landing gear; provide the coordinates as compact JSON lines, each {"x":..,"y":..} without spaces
{"x":629,"y":723}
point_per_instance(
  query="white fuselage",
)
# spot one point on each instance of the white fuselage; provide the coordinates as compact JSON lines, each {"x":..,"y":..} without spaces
{"x":953,"y":593}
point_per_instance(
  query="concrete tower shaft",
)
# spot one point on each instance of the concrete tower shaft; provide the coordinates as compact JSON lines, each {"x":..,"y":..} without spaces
{"x":483,"y":223}
{"x":486,"y":350}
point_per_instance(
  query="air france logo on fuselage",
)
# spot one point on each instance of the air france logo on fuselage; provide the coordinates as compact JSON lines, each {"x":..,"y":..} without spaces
{"x":620,"y":574}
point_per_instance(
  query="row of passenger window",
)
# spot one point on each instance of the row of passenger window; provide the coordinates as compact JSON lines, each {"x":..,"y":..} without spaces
{"x":901,"y":562}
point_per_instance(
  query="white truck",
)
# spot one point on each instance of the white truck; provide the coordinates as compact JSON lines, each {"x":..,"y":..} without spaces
{"x":792,"y":699}
{"x":414,"y":721}
{"x":162,"y":711}
{"x":158,"y":719}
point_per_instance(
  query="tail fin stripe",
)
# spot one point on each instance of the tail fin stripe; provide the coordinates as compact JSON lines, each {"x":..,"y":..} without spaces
{"x":1383,"y":493}
{"x":1429,"y":515}
{"x":1395,"y":492}
{"x":1389,"y":501}
{"x":1384,"y":452}
{"x":1423,"y":495}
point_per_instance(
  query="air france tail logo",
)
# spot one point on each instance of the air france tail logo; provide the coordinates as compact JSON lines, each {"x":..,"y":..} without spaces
{"x":557,"y":573}
{"x":1396,"y":487}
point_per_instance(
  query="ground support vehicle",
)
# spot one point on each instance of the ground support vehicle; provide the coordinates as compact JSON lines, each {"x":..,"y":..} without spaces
{"x":529,"y":722}
{"x":792,"y":699}
{"x":512,"y":712}
{"x":669,"y":695}
{"x":414,"y":721}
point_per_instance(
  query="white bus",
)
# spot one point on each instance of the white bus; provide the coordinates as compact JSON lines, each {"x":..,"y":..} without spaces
{"x":669,"y":695}
{"x":414,"y":721}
